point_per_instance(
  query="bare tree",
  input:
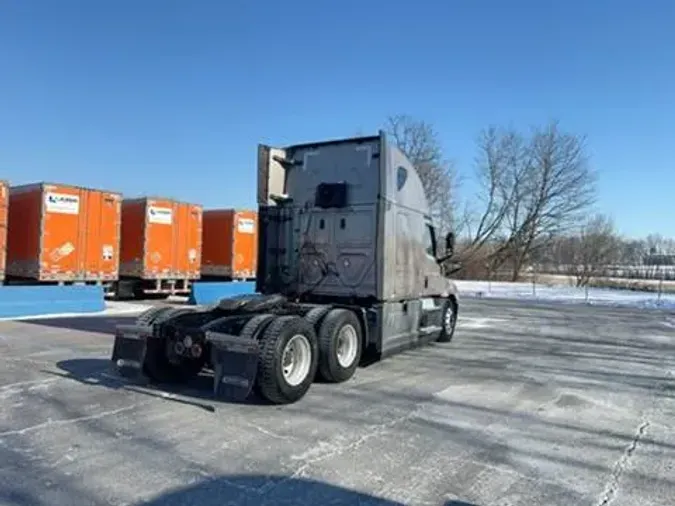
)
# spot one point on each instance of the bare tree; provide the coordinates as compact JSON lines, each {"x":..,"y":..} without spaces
{"x":498,"y":166}
{"x":499,"y":170}
{"x":531,"y":189}
{"x":654,"y":244}
{"x":597,"y":246}
{"x":657,"y":244}
{"x":552,"y":186}
{"x":565,"y":248}
{"x":418,"y":140}
{"x":632,"y":252}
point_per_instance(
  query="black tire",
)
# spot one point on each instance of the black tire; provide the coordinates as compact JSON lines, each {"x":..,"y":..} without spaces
{"x":448,"y":327}
{"x":264,"y":304}
{"x":157,"y":365}
{"x":256,"y":326}
{"x":334,"y":322}
{"x":148,"y":316}
{"x":235,"y":303}
{"x":173,"y":312}
{"x":316,"y":315}
{"x":252,"y":303}
{"x":271,"y":384}
{"x":253,"y":329}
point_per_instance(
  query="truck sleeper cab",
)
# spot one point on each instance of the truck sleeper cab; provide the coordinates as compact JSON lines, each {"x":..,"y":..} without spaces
{"x":348,"y":272}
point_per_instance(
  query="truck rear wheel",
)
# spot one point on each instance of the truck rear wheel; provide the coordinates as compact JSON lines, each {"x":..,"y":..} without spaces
{"x":288,"y":360}
{"x":316,"y":315}
{"x":340,"y":344}
{"x":149,"y":316}
{"x":162,"y":364}
{"x":256,"y":325}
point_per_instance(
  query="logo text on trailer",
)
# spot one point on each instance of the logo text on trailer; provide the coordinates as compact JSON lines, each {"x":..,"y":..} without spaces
{"x":62,"y":203}
{"x":246,"y":226}
{"x":161,"y":215}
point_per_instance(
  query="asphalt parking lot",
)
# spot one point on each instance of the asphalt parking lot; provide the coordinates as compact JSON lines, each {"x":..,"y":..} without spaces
{"x":529,"y":405}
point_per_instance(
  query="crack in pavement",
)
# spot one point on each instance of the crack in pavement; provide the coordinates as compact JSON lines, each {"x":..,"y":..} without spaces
{"x":268,"y":432}
{"x":620,"y":466}
{"x":18,"y":387}
{"x":68,"y":421}
{"x":338,"y":449}
{"x":28,"y":360}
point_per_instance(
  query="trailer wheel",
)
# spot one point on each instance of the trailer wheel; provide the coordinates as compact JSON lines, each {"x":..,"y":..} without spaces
{"x":288,"y":360}
{"x":449,"y":320}
{"x":161,"y":364}
{"x":340,"y":345}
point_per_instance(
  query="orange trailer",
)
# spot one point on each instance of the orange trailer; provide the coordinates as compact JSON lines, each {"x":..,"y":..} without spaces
{"x":63,"y":233}
{"x":161,"y":246}
{"x":229,"y":244}
{"x":4,"y":205}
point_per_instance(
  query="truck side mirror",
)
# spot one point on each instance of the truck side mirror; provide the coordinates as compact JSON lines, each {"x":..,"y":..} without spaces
{"x":449,"y":243}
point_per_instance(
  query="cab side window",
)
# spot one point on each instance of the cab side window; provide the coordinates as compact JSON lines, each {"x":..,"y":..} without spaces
{"x":430,"y":240}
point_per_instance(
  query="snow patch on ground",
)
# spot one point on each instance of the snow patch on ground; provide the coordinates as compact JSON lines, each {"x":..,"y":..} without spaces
{"x":470,"y":289}
{"x":478,"y":323}
{"x":565,"y":294}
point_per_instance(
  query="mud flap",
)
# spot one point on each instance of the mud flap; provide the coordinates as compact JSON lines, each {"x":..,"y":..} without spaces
{"x":235,"y":365}
{"x":129,"y":349}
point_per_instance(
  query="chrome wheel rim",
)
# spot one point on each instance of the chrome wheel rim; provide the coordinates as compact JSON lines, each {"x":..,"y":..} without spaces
{"x":449,"y":318}
{"x":347,"y":345}
{"x":296,"y":360}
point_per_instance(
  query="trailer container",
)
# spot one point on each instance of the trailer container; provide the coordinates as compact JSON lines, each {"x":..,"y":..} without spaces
{"x":229,"y":244}
{"x":63,"y":233}
{"x":4,"y":205}
{"x":161,"y":247}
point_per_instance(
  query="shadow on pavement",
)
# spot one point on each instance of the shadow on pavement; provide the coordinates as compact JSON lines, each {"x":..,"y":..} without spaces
{"x":99,"y":372}
{"x":277,"y":490}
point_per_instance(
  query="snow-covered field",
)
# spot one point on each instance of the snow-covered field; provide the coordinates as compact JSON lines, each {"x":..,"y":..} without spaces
{"x":564,"y":294}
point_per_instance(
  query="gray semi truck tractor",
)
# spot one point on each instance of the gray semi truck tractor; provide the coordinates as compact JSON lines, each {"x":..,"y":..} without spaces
{"x":350,"y":270}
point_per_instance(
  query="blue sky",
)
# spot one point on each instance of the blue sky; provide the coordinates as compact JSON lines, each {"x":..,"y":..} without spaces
{"x":171,"y":98}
